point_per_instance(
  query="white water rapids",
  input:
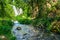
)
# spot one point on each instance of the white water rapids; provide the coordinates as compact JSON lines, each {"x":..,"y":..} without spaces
{"x":26,"y":32}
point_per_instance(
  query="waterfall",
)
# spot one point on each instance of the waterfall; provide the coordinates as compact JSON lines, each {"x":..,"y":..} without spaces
{"x":17,"y":11}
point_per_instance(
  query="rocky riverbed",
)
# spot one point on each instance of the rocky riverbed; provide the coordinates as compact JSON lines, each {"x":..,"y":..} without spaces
{"x":28,"y":32}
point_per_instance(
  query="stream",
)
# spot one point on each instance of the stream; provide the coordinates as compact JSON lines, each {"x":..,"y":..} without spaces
{"x":28,"y":32}
{"x":24,"y":32}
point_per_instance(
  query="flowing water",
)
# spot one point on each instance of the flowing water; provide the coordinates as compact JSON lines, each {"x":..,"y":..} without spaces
{"x":26,"y":32}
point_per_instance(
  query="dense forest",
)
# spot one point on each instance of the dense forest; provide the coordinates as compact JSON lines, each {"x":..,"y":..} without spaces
{"x":43,"y":14}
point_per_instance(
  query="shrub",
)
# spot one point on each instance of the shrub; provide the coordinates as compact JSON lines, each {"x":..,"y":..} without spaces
{"x":5,"y":28}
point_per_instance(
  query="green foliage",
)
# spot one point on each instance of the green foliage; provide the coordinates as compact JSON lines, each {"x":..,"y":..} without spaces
{"x":23,"y":19}
{"x":5,"y":27}
{"x":6,"y":9}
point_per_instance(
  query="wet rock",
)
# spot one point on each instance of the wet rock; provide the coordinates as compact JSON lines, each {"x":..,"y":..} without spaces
{"x":18,"y":28}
